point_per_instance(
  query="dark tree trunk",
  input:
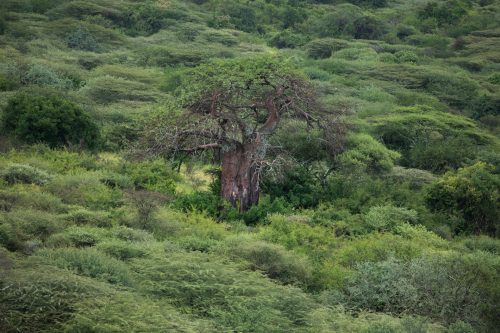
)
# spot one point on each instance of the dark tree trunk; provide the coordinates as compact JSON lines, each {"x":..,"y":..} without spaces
{"x":240,"y":176}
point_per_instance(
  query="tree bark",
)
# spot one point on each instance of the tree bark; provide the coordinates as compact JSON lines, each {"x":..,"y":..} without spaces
{"x":240,"y":176}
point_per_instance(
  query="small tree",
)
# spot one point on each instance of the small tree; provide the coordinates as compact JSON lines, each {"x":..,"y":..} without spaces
{"x":233,"y":107}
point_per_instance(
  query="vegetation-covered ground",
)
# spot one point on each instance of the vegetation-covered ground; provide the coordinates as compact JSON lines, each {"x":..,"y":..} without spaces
{"x":395,"y":232}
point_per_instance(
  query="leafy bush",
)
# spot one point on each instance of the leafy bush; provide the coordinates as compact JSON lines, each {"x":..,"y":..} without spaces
{"x":87,"y":262}
{"x":132,"y":235}
{"x":90,"y":218}
{"x":108,"y":89}
{"x":443,"y":288}
{"x":472,"y":193}
{"x":194,"y":243}
{"x":43,"y":298}
{"x":273,"y":260}
{"x":26,"y":174}
{"x":235,"y":299}
{"x":82,"y":39}
{"x":125,"y":311}
{"x":85,"y":190}
{"x":368,"y":27}
{"x":324,"y":47}
{"x":366,"y":153}
{"x":286,"y":39}
{"x":338,"y":22}
{"x":121,"y":250}
{"x":45,"y":117}
{"x":387,"y":218}
{"x":44,"y":76}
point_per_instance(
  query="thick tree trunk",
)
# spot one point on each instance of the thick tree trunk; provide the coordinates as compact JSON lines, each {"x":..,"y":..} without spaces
{"x":240,"y":177}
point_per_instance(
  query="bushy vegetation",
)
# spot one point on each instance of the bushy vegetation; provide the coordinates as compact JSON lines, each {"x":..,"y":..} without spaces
{"x":386,"y":221}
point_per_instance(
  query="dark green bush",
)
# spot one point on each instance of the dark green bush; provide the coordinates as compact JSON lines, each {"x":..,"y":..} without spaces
{"x":36,"y":117}
{"x":324,"y":47}
{"x":286,"y":39}
{"x":82,"y":39}
{"x":368,"y":27}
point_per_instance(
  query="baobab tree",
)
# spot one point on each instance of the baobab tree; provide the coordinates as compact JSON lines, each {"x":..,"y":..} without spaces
{"x":232,"y":108}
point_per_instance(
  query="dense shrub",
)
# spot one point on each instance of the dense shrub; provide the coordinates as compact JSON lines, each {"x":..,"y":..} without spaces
{"x":23,"y":173}
{"x":42,"y":299}
{"x":472,"y":193}
{"x":444,"y":288}
{"x":273,"y":260}
{"x":367,"y":154}
{"x":44,"y":76}
{"x":125,"y":311}
{"x":324,"y":47}
{"x":85,"y":190}
{"x":368,"y":27}
{"x":121,"y":249}
{"x":109,"y":89}
{"x":49,"y":118}
{"x":445,"y":13}
{"x":338,"y":22}
{"x":82,"y":39}
{"x":388,"y":218}
{"x":286,"y":39}
{"x":87,"y":262}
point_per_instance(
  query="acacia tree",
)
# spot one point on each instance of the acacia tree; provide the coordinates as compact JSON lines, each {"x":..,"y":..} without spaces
{"x":232,"y":108}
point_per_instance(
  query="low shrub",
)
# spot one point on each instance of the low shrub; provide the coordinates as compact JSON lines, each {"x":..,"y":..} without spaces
{"x":82,"y":39}
{"x":87,"y":262}
{"x":122,"y":250}
{"x":387,"y":218}
{"x":132,"y":235}
{"x":90,"y":218}
{"x":323,"y":48}
{"x":125,"y":311}
{"x":25,"y":174}
{"x":273,"y":260}
{"x":193,"y":243}
{"x":43,"y":298}
{"x":85,"y":190}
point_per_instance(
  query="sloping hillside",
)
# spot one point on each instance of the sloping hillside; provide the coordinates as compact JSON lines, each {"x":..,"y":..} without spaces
{"x":394,"y":230}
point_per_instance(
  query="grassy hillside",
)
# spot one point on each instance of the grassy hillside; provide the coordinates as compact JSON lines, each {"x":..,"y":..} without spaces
{"x":395,"y":232}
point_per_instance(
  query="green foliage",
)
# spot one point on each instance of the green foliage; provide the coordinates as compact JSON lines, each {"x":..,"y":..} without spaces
{"x":26,"y":174}
{"x":472,"y":194}
{"x":121,"y":249}
{"x":35,"y":117}
{"x":42,"y":299}
{"x":120,"y":312}
{"x":429,"y":139}
{"x":367,"y":154}
{"x":388,"y":218}
{"x":445,"y":13}
{"x":273,"y":260}
{"x":324,"y":47}
{"x":286,"y":39}
{"x":445,"y":288}
{"x":108,"y":89}
{"x":368,"y":27}
{"x":349,"y":242}
{"x":82,"y":39}
{"x":87,"y":262}
{"x":85,"y":190}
